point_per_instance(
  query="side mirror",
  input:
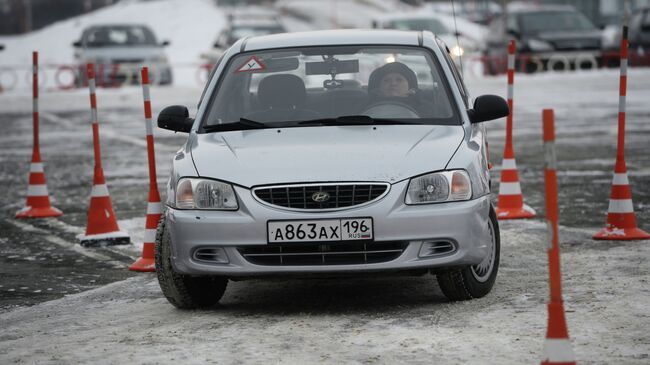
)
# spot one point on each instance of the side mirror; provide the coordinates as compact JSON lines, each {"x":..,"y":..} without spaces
{"x":2,"y":47}
{"x":76,"y":44}
{"x":488,"y":107}
{"x":175,"y":118}
{"x":164,"y":43}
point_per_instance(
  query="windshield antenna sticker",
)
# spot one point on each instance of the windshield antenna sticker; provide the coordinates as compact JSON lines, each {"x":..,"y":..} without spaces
{"x":252,"y":64}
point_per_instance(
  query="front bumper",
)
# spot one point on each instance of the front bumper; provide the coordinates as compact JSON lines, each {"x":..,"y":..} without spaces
{"x":464,"y":223}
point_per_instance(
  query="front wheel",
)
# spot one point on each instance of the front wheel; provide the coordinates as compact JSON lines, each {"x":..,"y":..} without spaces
{"x":477,"y":280}
{"x":183,"y":291}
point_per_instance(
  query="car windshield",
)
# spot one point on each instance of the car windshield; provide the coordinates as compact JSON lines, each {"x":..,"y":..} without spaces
{"x":552,"y":21}
{"x":334,"y":84}
{"x":432,"y":25}
{"x":119,"y":36}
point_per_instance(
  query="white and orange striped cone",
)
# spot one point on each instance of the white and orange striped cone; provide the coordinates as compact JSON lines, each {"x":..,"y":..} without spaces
{"x":38,"y":199}
{"x":154,"y":207}
{"x":557,"y":347}
{"x":621,"y":221}
{"x":511,"y":201}
{"x":101,"y":228}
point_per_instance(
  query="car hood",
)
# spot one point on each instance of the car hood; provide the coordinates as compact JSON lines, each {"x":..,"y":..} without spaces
{"x":316,"y":154}
{"x":122,"y":53}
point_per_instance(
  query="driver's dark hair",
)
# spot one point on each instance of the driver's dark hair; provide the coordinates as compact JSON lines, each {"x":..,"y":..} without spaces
{"x":393,"y":67}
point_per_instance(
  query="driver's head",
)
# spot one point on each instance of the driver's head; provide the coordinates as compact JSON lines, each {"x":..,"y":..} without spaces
{"x":393,"y":79}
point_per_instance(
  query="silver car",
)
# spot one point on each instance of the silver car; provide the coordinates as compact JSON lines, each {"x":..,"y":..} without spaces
{"x":330,"y":153}
{"x":119,"y":51}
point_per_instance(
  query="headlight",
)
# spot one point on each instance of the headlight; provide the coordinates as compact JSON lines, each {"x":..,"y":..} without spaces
{"x":539,"y":45}
{"x":457,"y":51}
{"x":205,"y":194}
{"x":439,"y":187}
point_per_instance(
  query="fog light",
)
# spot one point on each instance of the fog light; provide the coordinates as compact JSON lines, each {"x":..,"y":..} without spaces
{"x":214,"y":255}
{"x":436,"y":248}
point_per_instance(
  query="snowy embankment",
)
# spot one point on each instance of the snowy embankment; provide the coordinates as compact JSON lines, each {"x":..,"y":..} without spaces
{"x":358,"y":320}
{"x":190,"y":25}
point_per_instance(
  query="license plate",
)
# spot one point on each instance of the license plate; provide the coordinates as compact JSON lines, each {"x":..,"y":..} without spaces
{"x":321,"y":230}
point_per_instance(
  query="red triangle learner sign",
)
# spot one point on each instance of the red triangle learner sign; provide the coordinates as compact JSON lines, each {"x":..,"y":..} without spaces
{"x":252,"y":64}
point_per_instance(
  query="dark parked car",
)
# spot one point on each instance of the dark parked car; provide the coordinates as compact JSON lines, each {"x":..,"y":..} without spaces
{"x":548,"y":37}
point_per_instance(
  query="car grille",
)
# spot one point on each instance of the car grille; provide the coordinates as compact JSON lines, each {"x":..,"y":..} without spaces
{"x":339,"y":195}
{"x":127,"y":60}
{"x":348,"y":253}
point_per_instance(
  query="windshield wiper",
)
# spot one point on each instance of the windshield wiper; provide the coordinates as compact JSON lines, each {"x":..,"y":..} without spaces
{"x":242,"y":124}
{"x":355,"y":120}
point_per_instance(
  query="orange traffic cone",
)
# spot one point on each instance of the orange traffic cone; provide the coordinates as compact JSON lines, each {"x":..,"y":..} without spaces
{"x":621,"y":221}
{"x":154,"y":208}
{"x":154,"y":211}
{"x":38,"y":199}
{"x":511,"y":201}
{"x":101,"y":228}
{"x":557,"y":347}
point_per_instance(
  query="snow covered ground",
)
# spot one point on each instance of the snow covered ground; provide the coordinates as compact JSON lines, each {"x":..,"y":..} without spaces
{"x":359,"y":320}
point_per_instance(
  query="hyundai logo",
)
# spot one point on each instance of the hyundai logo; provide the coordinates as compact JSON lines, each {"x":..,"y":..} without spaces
{"x":320,"y":197}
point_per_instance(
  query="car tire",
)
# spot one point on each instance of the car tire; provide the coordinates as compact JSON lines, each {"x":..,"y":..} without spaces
{"x":183,"y":291}
{"x":477,"y":280}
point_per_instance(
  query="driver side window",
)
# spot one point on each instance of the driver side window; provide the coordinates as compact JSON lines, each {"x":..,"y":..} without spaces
{"x":454,"y":71}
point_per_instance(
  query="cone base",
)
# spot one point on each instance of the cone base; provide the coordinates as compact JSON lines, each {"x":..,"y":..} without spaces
{"x":143,"y":265}
{"x":45,"y":212}
{"x":104,"y":239}
{"x":621,"y":234}
{"x":515,"y":213}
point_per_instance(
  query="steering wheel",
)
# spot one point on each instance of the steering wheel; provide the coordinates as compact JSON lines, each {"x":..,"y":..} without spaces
{"x":390,"y":109}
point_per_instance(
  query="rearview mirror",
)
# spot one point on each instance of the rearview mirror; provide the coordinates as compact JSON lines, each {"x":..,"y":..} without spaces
{"x":488,"y":107}
{"x":175,"y":118}
{"x":164,"y":43}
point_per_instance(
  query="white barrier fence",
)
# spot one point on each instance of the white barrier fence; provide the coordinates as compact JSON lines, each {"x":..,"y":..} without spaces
{"x":67,"y":77}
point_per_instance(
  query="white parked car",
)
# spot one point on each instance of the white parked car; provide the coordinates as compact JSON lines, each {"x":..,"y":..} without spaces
{"x":330,"y":153}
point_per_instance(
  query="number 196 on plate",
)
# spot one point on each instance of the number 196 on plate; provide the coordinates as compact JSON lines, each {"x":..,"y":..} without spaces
{"x":322,"y":230}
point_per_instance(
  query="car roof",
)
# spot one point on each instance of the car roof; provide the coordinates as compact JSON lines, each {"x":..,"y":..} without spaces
{"x":411,"y":15}
{"x":333,"y":38}
{"x":535,"y":8}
